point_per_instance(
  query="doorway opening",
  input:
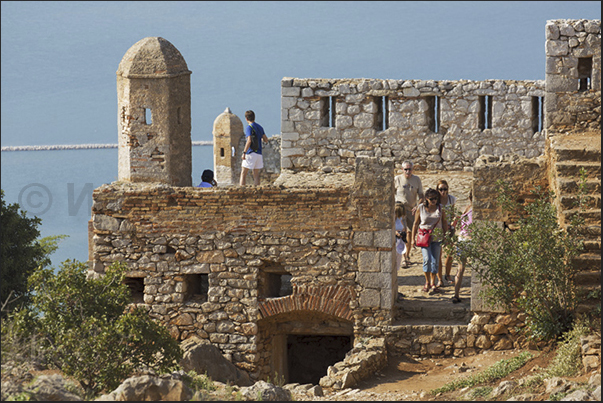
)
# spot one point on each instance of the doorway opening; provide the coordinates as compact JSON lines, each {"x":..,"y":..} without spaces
{"x":309,"y":356}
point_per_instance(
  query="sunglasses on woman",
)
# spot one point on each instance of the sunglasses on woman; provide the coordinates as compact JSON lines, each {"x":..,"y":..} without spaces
{"x":443,"y":189}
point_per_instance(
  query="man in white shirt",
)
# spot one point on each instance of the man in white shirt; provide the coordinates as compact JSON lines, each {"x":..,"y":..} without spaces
{"x":409,"y":192}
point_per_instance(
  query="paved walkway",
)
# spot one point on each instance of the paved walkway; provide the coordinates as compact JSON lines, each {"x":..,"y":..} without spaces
{"x":419,"y":307}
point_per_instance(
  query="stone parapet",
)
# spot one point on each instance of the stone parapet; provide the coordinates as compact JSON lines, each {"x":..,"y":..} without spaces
{"x":437,"y":124}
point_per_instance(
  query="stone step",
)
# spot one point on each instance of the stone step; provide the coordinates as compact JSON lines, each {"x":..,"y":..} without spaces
{"x":569,"y":202}
{"x":588,"y":278}
{"x":587,"y":261}
{"x":571,"y":169}
{"x":590,"y":232}
{"x":570,"y":186}
{"x":589,"y":306}
{"x":591,"y":216}
{"x":578,"y":154}
{"x":433,"y":311}
{"x":592,"y":246}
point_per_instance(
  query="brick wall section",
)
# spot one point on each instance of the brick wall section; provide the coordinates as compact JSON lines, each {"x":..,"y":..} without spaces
{"x":334,"y":239}
{"x":331,"y":300}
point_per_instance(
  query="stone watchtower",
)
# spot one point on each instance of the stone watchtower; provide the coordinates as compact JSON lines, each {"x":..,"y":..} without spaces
{"x":154,"y":114}
{"x":228,"y":131}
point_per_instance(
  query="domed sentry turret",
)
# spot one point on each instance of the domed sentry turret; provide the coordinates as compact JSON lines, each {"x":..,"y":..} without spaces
{"x":154,"y":114}
{"x":228,"y":130}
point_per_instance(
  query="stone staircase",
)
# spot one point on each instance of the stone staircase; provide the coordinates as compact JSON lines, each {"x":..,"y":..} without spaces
{"x":568,"y":155}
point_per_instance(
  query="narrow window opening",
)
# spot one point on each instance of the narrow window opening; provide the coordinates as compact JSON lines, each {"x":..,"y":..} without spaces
{"x":222,"y":152}
{"x":325,"y":112}
{"x":433,"y":113}
{"x":148,"y":116}
{"x":485,"y":112}
{"x":585,"y":67}
{"x":537,"y":114}
{"x":196,"y":287}
{"x":437,"y":114}
{"x":136,"y":286}
{"x":331,"y":112}
{"x":382,"y":113}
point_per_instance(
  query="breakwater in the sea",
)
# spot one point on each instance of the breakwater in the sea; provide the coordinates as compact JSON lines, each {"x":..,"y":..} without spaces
{"x":79,"y":146}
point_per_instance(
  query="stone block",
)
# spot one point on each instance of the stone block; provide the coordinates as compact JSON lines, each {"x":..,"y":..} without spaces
{"x":370,"y":298}
{"x":369,"y":261}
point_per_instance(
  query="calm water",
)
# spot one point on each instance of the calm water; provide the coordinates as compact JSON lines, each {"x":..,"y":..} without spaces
{"x":57,"y":187}
{"x":59,"y":61}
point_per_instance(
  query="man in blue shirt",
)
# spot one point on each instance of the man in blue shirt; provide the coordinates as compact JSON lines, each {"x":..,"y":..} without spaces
{"x":252,"y":160}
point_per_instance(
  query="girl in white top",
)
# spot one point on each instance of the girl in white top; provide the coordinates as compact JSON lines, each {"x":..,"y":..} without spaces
{"x":465,"y":220}
{"x":427,"y":217}
{"x":401,"y":229}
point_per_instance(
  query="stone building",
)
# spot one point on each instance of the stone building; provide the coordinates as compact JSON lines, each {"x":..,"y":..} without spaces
{"x":291,"y":277}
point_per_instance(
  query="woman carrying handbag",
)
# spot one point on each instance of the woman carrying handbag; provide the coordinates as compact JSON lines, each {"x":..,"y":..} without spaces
{"x":428,"y":217}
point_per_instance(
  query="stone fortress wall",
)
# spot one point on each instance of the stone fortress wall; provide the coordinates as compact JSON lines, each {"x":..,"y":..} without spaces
{"x":440,"y":125}
{"x":311,"y":252}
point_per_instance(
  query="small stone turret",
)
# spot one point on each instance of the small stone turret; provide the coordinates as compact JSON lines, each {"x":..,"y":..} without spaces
{"x":228,"y":131}
{"x":154,"y":114}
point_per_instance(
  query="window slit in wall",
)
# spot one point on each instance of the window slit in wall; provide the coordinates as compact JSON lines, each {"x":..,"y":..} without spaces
{"x":537,"y":114}
{"x":433,"y":113}
{"x":148,"y":116}
{"x":222,"y":152}
{"x":381,"y":120}
{"x":331,"y":112}
{"x":327,"y":115}
{"x":585,"y":67}
{"x":485,"y":112}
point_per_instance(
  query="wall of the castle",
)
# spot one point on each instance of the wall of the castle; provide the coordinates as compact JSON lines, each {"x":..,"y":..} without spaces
{"x":336,"y":242}
{"x":448,"y":136}
{"x":573,"y":51}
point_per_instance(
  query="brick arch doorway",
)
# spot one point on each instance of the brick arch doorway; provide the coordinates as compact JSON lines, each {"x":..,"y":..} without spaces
{"x":301,"y":345}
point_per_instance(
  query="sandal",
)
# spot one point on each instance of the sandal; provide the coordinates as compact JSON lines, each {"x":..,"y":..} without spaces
{"x":435,"y":289}
{"x":456,"y":300}
{"x":426,"y":289}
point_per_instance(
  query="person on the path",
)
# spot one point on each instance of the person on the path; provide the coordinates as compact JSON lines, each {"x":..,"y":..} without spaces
{"x":401,"y":234}
{"x":409,"y":192}
{"x":430,"y":216}
{"x":464,"y":221}
{"x":447,"y":202}
{"x":252,"y":159}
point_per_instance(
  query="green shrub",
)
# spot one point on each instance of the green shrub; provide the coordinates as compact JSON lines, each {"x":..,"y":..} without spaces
{"x":21,"y":252}
{"x":499,"y":370}
{"x":568,"y":360}
{"x":87,"y":330}
{"x":530,"y":267}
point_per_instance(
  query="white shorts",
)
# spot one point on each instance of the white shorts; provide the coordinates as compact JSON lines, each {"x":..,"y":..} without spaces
{"x":253,"y":161}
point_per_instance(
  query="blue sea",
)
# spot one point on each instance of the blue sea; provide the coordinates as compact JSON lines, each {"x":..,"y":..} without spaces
{"x":59,"y":60}
{"x":57,"y":186}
